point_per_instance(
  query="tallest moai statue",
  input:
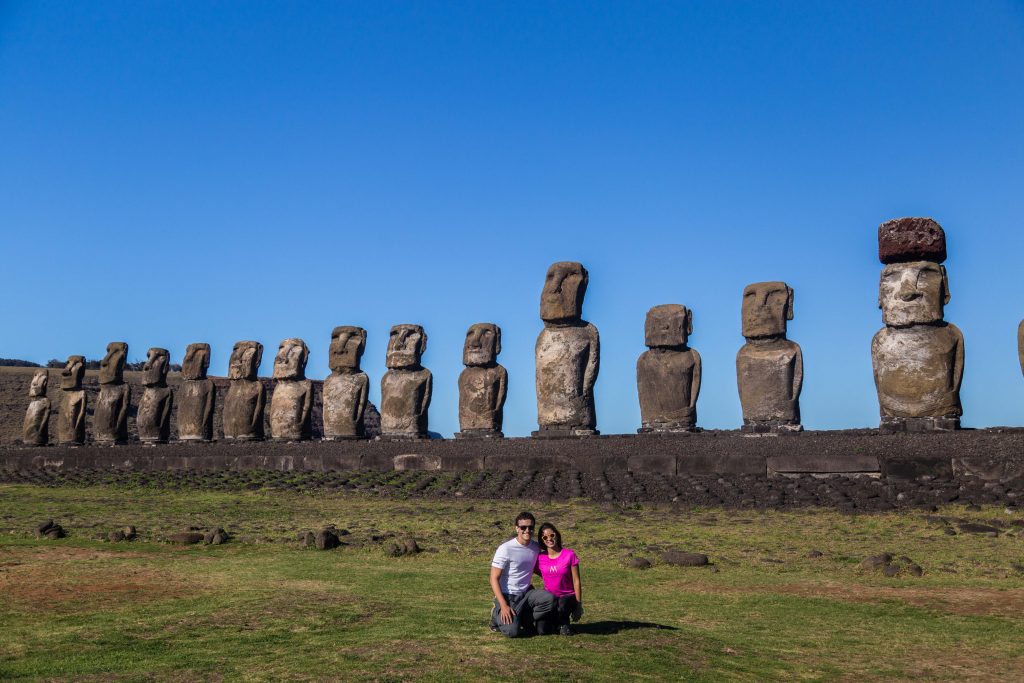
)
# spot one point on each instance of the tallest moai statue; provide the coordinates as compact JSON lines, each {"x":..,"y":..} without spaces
{"x":918,"y":357}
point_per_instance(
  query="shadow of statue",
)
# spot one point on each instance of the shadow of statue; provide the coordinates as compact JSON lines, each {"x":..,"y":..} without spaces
{"x":607,"y":628}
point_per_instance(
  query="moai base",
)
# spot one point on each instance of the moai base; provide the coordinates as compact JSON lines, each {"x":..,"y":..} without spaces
{"x":110,"y":418}
{"x":291,"y":406}
{"x":36,"y":428}
{"x":246,"y":397}
{"x":769,"y":367}
{"x":346,"y":389}
{"x":73,"y":402}
{"x":153,"y":419}
{"x":567,"y":354}
{"x":668,"y":374}
{"x":406,"y":387}
{"x":197,"y":396}
{"x":483,"y":384}
{"x":918,"y":357}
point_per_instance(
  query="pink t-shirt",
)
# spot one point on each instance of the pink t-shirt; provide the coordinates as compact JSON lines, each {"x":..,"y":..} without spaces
{"x":556,"y":572}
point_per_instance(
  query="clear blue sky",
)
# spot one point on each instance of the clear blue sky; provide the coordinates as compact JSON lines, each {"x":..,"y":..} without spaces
{"x":174,"y":172}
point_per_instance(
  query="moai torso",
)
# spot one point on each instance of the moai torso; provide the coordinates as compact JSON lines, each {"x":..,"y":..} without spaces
{"x":197,"y":395}
{"x":769,"y":367}
{"x":405,"y":398}
{"x":668,"y":375}
{"x":918,"y":370}
{"x":36,"y":428}
{"x":291,"y":406}
{"x":153,"y":418}
{"x":482,"y":398}
{"x":344,"y":403}
{"x":71,"y":419}
{"x":110,"y":417}
{"x":246,"y":397}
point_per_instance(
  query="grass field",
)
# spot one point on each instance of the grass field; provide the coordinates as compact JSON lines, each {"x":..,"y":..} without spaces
{"x":263,"y":608}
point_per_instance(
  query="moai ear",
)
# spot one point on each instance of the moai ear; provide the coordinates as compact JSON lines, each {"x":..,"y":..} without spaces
{"x":789,"y":302}
{"x":258,"y":357}
{"x":497,"y":340}
{"x":945,"y":285}
{"x":423,"y":341}
{"x":305,"y":354}
{"x":689,"y":322}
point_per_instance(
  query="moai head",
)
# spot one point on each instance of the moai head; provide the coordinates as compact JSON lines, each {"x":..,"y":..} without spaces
{"x":766,"y":308}
{"x":347,"y":346}
{"x":668,"y":326}
{"x":154,"y":371}
{"x":197,"y":361}
{"x":561,"y":301}
{"x":912,"y":293}
{"x":245,"y":361}
{"x":112,"y":365}
{"x":72,"y":374}
{"x":40,"y":380}
{"x":914,"y":286}
{"x":290,"y":361}
{"x":406,"y":346}
{"x":482,"y":346}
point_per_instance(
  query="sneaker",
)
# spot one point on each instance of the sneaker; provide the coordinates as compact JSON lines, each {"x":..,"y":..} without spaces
{"x":564,"y":630}
{"x":494,"y":628}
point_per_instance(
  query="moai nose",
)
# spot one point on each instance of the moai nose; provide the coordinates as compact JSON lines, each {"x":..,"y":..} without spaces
{"x":908,"y":290}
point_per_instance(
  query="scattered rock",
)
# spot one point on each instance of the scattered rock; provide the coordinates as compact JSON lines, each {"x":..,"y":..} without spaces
{"x":876,"y":561}
{"x":115,"y":536}
{"x":327,"y":539}
{"x":410,"y":546}
{"x":307,"y":539}
{"x":682,"y":559}
{"x":890,"y":570}
{"x":395,"y":550}
{"x":815,"y":553}
{"x":50,"y":529}
{"x":216,"y":536}
{"x":915,"y":570}
{"x":186,"y":538}
{"x":975,"y":528}
{"x":638,"y":563}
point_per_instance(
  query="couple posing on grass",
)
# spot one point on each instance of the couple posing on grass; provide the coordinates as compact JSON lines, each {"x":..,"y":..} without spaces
{"x":519,"y":608}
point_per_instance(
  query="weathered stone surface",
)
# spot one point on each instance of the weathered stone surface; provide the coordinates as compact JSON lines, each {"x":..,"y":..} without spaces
{"x":568,"y":353}
{"x":913,"y":293}
{"x":71,"y":415}
{"x":50,"y":529}
{"x":637,"y":563}
{"x":153,"y":419}
{"x":197,"y":395}
{"x":483,"y":384}
{"x":347,"y":387}
{"x":406,"y":387}
{"x":110,"y":417}
{"x":247,"y":397}
{"x":911,"y":239}
{"x":327,"y":539}
{"x":684,"y":559}
{"x":769,"y":367}
{"x":668,"y":375}
{"x":918,"y":371}
{"x":36,"y":428}
{"x":292,"y":403}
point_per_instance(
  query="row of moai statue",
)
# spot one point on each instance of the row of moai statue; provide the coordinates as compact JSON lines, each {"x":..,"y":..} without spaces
{"x":918,"y":362}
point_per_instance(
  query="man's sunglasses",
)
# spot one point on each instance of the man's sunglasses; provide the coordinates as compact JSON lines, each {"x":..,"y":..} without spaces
{"x":526,"y":527}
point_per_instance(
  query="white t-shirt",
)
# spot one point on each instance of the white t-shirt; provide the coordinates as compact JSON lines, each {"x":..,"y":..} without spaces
{"x":516,"y":562}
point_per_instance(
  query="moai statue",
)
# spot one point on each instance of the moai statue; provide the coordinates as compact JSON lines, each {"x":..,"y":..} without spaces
{"x":71,"y":420}
{"x":36,"y":429}
{"x":110,"y":419}
{"x":197,"y":396}
{"x":153,"y":418}
{"x":668,"y":374}
{"x":406,"y":387}
{"x":292,"y":403}
{"x":568,"y":356}
{"x":346,"y":388}
{"x":483,"y":384}
{"x":246,"y":398}
{"x":769,"y":367}
{"x":918,"y":358}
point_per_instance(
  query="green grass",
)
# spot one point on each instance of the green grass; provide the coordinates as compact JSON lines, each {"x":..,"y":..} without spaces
{"x":262,"y":608}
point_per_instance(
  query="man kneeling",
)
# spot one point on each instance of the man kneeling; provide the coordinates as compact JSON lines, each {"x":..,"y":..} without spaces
{"x":518,"y":606}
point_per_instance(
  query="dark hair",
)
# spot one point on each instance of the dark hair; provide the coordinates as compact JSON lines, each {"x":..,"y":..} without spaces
{"x":525,"y":515}
{"x":558,"y":534}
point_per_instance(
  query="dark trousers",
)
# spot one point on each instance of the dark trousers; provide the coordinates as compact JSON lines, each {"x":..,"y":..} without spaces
{"x":534,"y":609}
{"x":564,"y":606}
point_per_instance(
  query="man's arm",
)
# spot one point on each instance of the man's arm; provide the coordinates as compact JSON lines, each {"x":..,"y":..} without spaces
{"x":507,"y":613}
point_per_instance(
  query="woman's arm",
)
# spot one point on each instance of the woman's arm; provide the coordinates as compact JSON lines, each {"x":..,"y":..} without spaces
{"x":577,"y":585}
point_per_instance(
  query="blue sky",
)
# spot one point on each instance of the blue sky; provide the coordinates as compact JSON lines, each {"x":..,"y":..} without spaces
{"x":174,"y":172}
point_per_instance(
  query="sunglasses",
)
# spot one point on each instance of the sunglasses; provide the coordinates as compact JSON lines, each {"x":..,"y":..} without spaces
{"x":526,"y":527}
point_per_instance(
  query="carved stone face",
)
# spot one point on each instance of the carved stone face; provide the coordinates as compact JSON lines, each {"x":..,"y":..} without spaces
{"x":482,"y":346}
{"x":406,"y":346}
{"x":347,"y":346}
{"x":766,"y":308}
{"x":71,"y":375}
{"x":564,"y":288}
{"x":154,"y":371}
{"x":197,"y":361}
{"x":668,"y":325}
{"x":912,"y":293}
{"x":290,"y":361}
{"x":112,"y":365}
{"x":245,"y":361}
{"x":40,"y":380}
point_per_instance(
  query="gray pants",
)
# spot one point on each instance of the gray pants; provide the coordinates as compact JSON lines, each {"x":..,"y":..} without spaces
{"x":534,"y":609}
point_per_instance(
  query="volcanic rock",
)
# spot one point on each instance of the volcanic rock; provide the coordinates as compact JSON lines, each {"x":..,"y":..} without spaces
{"x":911,"y":239}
